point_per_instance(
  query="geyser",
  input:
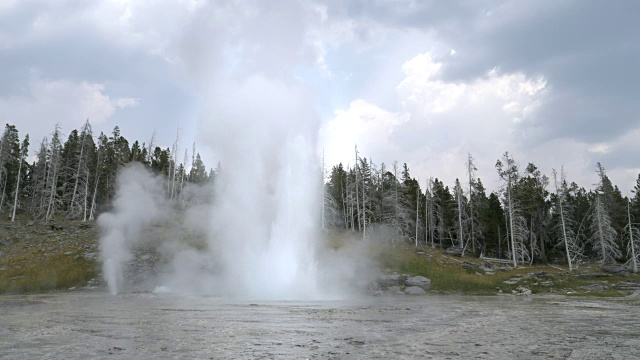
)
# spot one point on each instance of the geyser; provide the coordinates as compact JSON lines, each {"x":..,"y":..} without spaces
{"x":260,"y":122}
{"x":265,"y":219}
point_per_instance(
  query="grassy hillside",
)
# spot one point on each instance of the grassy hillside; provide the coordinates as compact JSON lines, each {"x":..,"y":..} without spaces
{"x":38,"y":257}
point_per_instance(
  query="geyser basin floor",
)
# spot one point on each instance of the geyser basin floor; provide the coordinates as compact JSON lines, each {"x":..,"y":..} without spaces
{"x":97,"y":325}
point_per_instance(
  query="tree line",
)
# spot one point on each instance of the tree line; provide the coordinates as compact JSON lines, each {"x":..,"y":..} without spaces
{"x":76,"y":178}
{"x":531,"y":219}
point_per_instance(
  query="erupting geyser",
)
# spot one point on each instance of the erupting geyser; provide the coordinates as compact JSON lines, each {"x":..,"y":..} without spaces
{"x":260,"y":123}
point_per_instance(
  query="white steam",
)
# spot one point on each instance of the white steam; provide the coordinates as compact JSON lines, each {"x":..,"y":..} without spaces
{"x":261,"y":231}
{"x":135,"y":207}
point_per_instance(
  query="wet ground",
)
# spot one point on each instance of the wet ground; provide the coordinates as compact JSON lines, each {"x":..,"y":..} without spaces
{"x":88,"y":325}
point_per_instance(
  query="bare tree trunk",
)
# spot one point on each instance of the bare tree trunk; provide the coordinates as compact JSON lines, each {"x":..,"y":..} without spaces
{"x":600,"y":232}
{"x":357,"y":194}
{"x":470,"y":167}
{"x":95,"y":187}
{"x":631,"y":243}
{"x":15,"y":198}
{"x":364,"y":212}
{"x":184,"y":170}
{"x":426,"y":213}
{"x":417,"y":213}
{"x":151,"y":144}
{"x":460,"y":217}
{"x":86,"y":196}
{"x":513,"y":247}
{"x":75,"y":185}
{"x":564,"y":226}
{"x":52,"y":196}
{"x":345,"y":205}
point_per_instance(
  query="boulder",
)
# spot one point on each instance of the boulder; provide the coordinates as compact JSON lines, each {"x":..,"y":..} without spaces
{"x":592,"y":287}
{"x":627,"y":285}
{"x":418,"y":281}
{"x":387,"y":280}
{"x":455,"y":251}
{"x":394,"y":290}
{"x":543,"y":275}
{"x":468,"y":266}
{"x":414,"y":290}
{"x":593,"y":275}
{"x":522,"y":291}
{"x":512,"y":281}
{"x":612,"y":268}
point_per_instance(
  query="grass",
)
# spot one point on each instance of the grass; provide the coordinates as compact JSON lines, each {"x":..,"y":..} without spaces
{"x":59,"y":271}
{"x":36,"y":258}
{"x":448,"y":276}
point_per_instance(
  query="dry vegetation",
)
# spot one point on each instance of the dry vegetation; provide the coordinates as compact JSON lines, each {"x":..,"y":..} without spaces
{"x":448,"y":276}
{"x":36,"y":257}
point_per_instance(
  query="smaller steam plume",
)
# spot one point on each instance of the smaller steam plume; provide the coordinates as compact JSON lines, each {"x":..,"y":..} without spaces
{"x":138,"y":203}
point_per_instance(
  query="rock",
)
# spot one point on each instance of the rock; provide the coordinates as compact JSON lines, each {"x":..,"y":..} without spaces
{"x":512,"y":281}
{"x":612,"y":268}
{"x":627,"y":285}
{"x":634,"y":295}
{"x":394,"y":290}
{"x":418,"y":281}
{"x":455,"y":251}
{"x":5,"y":242}
{"x":4,"y":268}
{"x":414,"y":290}
{"x":86,"y":225}
{"x":68,"y":253}
{"x":522,"y":291}
{"x":145,"y":257}
{"x":593,"y":275}
{"x":388,"y":280}
{"x":592,"y":287}
{"x":468,"y":266}
{"x":55,"y":227}
{"x":30,"y":223}
{"x":543,"y":275}
{"x":486,"y":265}
{"x":546,"y":283}
{"x":89,"y":255}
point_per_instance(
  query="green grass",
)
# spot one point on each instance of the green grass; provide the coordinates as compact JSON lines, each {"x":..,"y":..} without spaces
{"x":23,"y":275}
{"x":448,"y":276}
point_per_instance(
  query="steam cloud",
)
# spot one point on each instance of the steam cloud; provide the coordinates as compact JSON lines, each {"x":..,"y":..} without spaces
{"x":262,"y":229}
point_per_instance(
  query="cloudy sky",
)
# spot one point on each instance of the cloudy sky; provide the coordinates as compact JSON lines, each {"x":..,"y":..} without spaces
{"x":423,"y":82}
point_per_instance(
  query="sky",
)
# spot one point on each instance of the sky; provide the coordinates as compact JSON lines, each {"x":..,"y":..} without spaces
{"x":553,"y":82}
